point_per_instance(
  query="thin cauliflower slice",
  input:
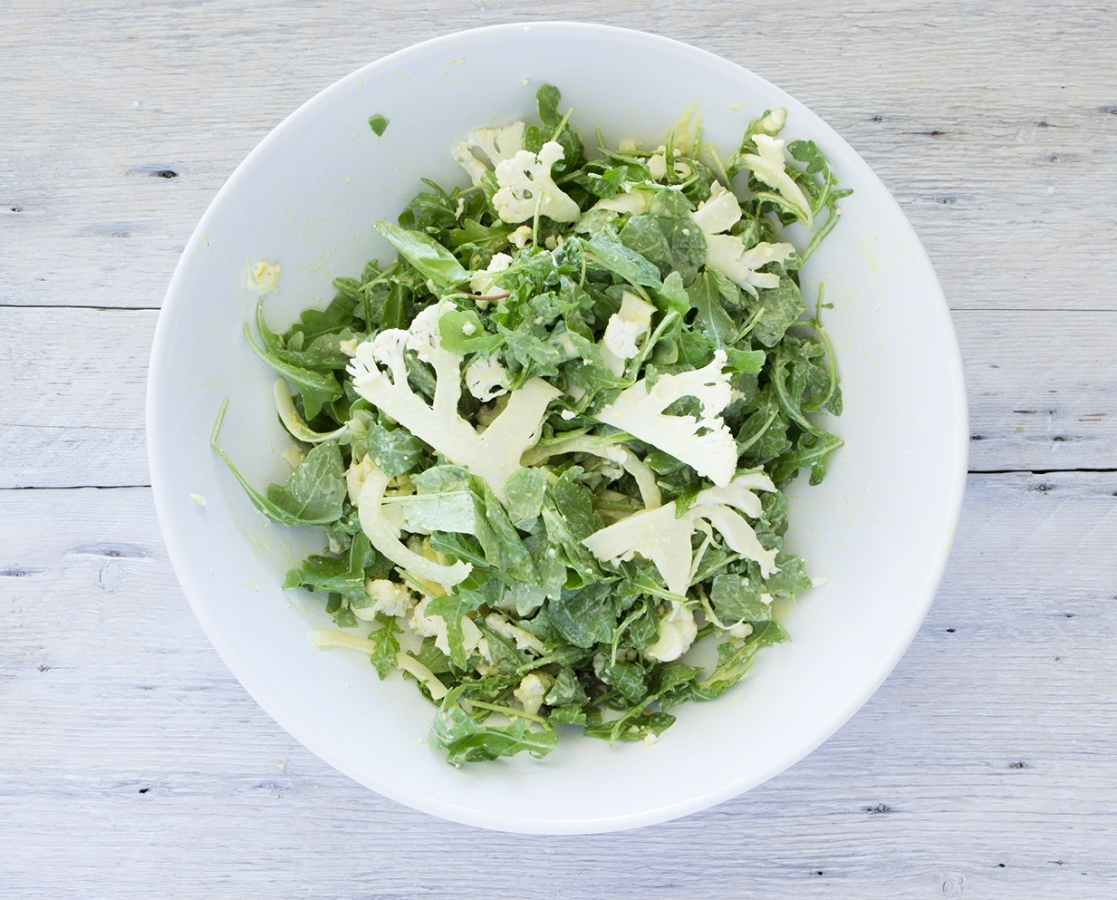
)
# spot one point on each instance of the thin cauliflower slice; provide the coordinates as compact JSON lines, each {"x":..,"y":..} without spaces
{"x":663,"y":538}
{"x":498,"y":144}
{"x":495,"y":454}
{"x":624,"y":330}
{"x":526,"y":184}
{"x":770,"y":166}
{"x":726,"y":253}
{"x":640,"y":412}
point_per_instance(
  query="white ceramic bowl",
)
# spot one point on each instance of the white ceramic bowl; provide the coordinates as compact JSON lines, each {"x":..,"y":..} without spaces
{"x":880,"y":526}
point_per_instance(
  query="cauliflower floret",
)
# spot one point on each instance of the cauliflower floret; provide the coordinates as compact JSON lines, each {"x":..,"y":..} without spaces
{"x":495,"y":454}
{"x":657,"y":164}
{"x":486,"y":378}
{"x":624,"y":331}
{"x":262,"y":277}
{"x":498,"y":144}
{"x":520,"y":237}
{"x":482,"y":283}
{"x":525,"y":184}
{"x":391,"y":599}
{"x":772,"y":123}
{"x":726,"y":252}
{"x":771,"y":168}
{"x":640,"y":412}
{"x":533,"y":688}
{"x":677,"y":631}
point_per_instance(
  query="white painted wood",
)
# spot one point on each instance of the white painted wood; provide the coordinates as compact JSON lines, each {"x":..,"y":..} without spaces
{"x":991,"y":745}
{"x":995,"y":136}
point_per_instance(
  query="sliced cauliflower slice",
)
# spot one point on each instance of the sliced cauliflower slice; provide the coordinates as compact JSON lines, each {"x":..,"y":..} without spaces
{"x":726,"y":253}
{"x":495,"y":454}
{"x":770,"y":166}
{"x":664,"y":538}
{"x":640,"y":412}
{"x":498,"y":144}
{"x":525,"y":183}
{"x":625,"y":329}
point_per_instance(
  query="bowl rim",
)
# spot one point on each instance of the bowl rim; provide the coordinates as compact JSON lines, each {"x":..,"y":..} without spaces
{"x":823,"y":730}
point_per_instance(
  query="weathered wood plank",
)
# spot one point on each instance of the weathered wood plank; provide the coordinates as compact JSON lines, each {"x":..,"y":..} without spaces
{"x":72,"y":384}
{"x":1042,"y":387}
{"x":993,"y":138}
{"x":122,"y":734}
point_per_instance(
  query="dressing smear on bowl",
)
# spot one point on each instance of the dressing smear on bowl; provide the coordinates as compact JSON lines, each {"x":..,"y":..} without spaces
{"x":547,"y":441}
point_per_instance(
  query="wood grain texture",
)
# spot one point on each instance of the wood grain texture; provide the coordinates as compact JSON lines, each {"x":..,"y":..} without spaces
{"x":994,"y":136}
{"x":990,"y":745}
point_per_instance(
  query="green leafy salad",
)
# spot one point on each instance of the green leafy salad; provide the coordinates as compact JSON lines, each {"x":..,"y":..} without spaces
{"x":547,"y":442}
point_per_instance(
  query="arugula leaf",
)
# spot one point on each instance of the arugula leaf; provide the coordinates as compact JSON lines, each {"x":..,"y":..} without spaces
{"x":383,"y":657}
{"x":735,"y":660}
{"x":735,"y":600}
{"x":791,"y":579}
{"x":396,"y":451}
{"x":315,"y":490}
{"x":714,"y":322}
{"x":782,"y":306}
{"x":378,"y":124}
{"x":466,"y":741}
{"x":525,"y":490}
{"x":516,"y":560}
{"x":452,"y":608}
{"x":584,"y":617}
{"x":618,"y":258}
{"x":425,"y":254}
{"x":341,"y":576}
{"x":315,"y":388}
{"x":272,"y":510}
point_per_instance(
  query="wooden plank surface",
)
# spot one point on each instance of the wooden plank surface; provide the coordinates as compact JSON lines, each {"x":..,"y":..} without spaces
{"x":133,"y":764}
{"x":988,"y":746}
{"x":993,"y":136}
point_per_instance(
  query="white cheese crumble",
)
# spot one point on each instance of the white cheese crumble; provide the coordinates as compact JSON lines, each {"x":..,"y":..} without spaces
{"x":392,"y":599}
{"x":533,"y":688}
